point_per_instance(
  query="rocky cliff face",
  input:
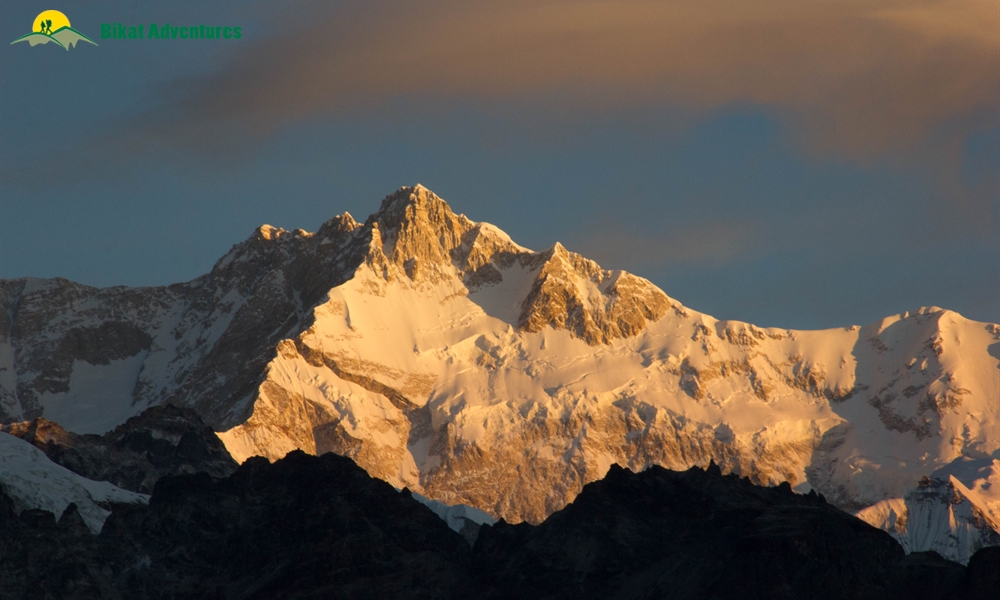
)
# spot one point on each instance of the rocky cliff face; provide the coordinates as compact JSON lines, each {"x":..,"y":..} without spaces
{"x":442,"y":356}
{"x":162,"y":440}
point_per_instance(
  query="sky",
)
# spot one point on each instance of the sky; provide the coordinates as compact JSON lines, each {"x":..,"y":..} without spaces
{"x":791,"y":164}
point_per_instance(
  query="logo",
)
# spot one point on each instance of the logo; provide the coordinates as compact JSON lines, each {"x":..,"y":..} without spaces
{"x":53,"y":26}
{"x":120,"y":31}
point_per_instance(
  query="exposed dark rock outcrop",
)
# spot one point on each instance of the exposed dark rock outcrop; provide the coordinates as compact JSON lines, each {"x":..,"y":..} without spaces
{"x":302,"y":527}
{"x":162,"y":440}
{"x":982,"y":576}
{"x":698,"y":534}
{"x":320,"y":527}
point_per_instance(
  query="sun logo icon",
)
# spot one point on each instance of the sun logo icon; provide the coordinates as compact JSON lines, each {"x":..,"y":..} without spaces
{"x":53,"y":26}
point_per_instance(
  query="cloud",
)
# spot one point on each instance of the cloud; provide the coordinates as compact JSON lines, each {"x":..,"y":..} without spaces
{"x":709,"y":243}
{"x":861,"y":78}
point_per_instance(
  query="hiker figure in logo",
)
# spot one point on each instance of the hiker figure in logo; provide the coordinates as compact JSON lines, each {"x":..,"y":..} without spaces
{"x":46,"y":27}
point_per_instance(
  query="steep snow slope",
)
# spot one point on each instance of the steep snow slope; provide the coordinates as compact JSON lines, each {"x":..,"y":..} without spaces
{"x":443,"y":357}
{"x":464,"y":519}
{"x":944,"y":513}
{"x":33,"y":481}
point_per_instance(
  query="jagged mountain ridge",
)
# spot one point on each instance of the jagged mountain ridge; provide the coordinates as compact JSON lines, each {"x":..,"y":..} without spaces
{"x":162,"y":440}
{"x":442,"y":356}
{"x":306,"y":527}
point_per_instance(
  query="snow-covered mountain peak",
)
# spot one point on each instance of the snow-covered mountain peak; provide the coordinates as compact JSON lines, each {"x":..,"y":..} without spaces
{"x":340,"y":224}
{"x":418,"y":208}
{"x":485,"y":252}
{"x":419,"y":233}
{"x":269,"y":232}
{"x":596,"y":305}
{"x":442,"y":356}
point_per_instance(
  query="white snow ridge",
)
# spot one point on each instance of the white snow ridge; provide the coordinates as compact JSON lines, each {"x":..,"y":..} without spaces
{"x":34,"y":481}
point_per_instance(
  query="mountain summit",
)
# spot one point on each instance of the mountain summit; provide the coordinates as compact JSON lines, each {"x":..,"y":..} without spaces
{"x":441,"y":356}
